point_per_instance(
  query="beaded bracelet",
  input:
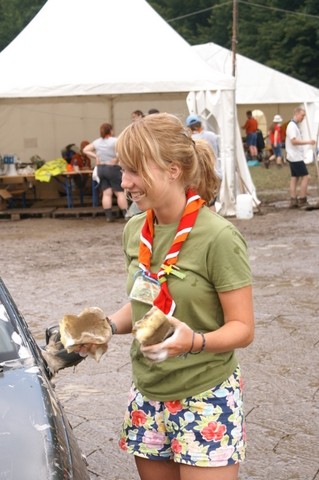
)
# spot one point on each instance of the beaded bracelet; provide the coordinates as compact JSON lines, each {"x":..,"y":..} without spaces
{"x":203,"y":344}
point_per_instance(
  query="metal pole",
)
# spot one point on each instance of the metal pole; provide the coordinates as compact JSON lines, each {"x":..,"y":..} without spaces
{"x":234,"y":36}
{"x":234,"y":43}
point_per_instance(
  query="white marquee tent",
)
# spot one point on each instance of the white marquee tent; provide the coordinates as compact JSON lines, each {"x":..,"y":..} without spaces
{"x":263,"y":88}
{"x":83,"y":62}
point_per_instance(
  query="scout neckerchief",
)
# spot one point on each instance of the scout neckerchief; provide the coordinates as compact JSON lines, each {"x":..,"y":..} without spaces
{"x":164,"y":300}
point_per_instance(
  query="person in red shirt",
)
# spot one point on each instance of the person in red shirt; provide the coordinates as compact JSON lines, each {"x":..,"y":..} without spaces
{"x":275,"y":138}
{"x":251,"y":127}
{"x":80,"y":159}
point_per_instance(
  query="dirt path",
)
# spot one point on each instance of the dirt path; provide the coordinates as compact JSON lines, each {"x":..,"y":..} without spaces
{"x":58,"y":266}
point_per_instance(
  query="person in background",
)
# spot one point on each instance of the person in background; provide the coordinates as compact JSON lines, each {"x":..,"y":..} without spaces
{"x":194,"y":123}
{"x":185,"y":412}
{"x":153,"y":110}
{"x":102,"y":152}
{"x":81,"y":159}
{"x":295,"y":157}
{"x":250,"y":127}
{"x":275,"y":138}
{"x":137,"y":115}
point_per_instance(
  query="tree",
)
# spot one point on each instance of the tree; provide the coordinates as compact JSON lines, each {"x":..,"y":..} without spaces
{"x":282,"y":34}
{"x":14,"y":16}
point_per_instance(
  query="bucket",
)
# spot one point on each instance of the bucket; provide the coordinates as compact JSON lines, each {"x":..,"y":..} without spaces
{"x":8,"y":159}
{"x":244,"y":206}
{"x":9,"y":165}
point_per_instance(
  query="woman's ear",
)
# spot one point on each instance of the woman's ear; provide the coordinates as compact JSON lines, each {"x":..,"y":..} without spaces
{"x":175,"y":171}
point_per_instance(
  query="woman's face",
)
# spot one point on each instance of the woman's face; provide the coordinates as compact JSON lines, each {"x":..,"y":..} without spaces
{"x":144,"y":196}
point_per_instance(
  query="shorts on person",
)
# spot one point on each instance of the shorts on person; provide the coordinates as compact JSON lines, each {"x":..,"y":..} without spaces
{"x":298,"y":169}
{"x":277,"y":150}
{"x":251,"y":139}
{"x":206,"y":430}
{"x":110,"y":177}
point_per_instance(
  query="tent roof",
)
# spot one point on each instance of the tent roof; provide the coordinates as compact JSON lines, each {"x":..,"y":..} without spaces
{"x":256,"y":83}
{"x":91,"y":47}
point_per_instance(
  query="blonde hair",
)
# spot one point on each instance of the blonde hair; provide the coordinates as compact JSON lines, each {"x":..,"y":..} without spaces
{"x":163,"y":139}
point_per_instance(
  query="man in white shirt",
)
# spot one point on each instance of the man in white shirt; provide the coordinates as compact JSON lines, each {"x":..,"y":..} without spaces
{"x":295,"y":156}
{"x":195,"y":124}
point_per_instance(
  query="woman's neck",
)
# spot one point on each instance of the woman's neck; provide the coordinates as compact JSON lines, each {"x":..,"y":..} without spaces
{"x":172,"y":211}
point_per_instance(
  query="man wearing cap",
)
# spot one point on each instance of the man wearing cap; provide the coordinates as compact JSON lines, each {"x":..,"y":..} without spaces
{"x":275,"y":139}
{"x":195,"y":124}
{"x":295,"y":157}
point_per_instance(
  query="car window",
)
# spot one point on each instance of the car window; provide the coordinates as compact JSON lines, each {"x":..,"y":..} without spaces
{"x":11,"y":344}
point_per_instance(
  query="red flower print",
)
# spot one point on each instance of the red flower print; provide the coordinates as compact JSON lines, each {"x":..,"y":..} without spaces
{"x":214,"y":431}
{"x":176,"y":446}
{"x":122,"y":444}
{"x":241,"y":384}
{"x":174,"y":407}
{"x":138,"y":418}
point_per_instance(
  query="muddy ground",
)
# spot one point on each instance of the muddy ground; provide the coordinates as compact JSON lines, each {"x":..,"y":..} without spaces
{"x":58,"y":266}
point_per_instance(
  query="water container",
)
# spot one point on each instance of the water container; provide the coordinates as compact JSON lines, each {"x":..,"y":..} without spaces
{"x":244,"y":206}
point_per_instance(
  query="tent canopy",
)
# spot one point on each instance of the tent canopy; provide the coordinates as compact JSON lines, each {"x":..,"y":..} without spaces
{"x":93,"y":47}
{"x":256,"y":83}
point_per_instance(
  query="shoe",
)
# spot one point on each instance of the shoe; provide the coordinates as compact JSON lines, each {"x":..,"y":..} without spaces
{"x":293,"y":203}
{"x":303,"y":203}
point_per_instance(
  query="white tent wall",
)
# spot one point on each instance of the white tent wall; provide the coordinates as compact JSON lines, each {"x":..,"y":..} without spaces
{"x":43,"y":126}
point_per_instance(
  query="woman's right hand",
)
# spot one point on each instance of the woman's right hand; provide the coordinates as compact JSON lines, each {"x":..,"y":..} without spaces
{"x":178,"y":344}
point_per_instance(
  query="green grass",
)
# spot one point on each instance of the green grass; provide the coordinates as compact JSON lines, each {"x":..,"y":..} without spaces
{"x":273,"y":184}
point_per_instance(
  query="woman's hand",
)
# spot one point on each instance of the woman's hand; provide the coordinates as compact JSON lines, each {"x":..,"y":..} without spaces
{"x":180,"y":343}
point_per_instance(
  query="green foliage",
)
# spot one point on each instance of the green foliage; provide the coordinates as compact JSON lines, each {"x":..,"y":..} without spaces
{"x":282,"y":34}
{"x":14,"y":16}
{"x":273,"y":183}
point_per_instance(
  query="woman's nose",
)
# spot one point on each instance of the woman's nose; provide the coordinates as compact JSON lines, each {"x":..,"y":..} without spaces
{"x":126,"y":180}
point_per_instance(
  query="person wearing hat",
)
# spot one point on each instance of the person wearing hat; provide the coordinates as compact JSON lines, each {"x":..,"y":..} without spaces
{"x":194,"y":123}
{"x":275,"y":139}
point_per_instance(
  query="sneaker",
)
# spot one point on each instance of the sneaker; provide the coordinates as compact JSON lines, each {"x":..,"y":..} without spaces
{"x":293,"y":203}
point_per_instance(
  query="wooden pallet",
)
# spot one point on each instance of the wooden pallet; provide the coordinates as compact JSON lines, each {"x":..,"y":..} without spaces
{"x":18,"y":213}
{"x":78,"y":212}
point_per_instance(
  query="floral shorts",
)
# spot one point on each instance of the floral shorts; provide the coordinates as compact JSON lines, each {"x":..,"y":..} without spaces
{"x":207,"y":430}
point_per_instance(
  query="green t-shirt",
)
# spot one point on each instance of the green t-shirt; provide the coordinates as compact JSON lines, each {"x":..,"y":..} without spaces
{"x":214,"y":259}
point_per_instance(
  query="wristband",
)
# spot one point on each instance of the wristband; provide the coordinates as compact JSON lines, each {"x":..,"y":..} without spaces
{"x":112,"y":325}
{"x":203,"y":344}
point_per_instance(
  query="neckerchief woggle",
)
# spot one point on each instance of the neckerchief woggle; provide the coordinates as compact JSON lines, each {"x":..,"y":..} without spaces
{"x":164,"y":300}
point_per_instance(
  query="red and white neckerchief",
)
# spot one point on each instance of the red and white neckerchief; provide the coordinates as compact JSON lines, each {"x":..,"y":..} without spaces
{"x":164,"y":300}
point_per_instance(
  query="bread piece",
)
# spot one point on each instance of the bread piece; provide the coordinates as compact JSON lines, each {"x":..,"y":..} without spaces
{"x":89,"y":327}
{"x":153,"y":328}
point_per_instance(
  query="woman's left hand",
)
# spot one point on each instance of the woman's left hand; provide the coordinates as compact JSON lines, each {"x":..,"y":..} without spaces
{"x":176,"y":345}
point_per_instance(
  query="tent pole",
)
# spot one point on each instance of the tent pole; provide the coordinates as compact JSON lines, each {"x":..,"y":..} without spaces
{"x":315,"y":146}
{"x":234,"y":44}
{"x":234,"y":37}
